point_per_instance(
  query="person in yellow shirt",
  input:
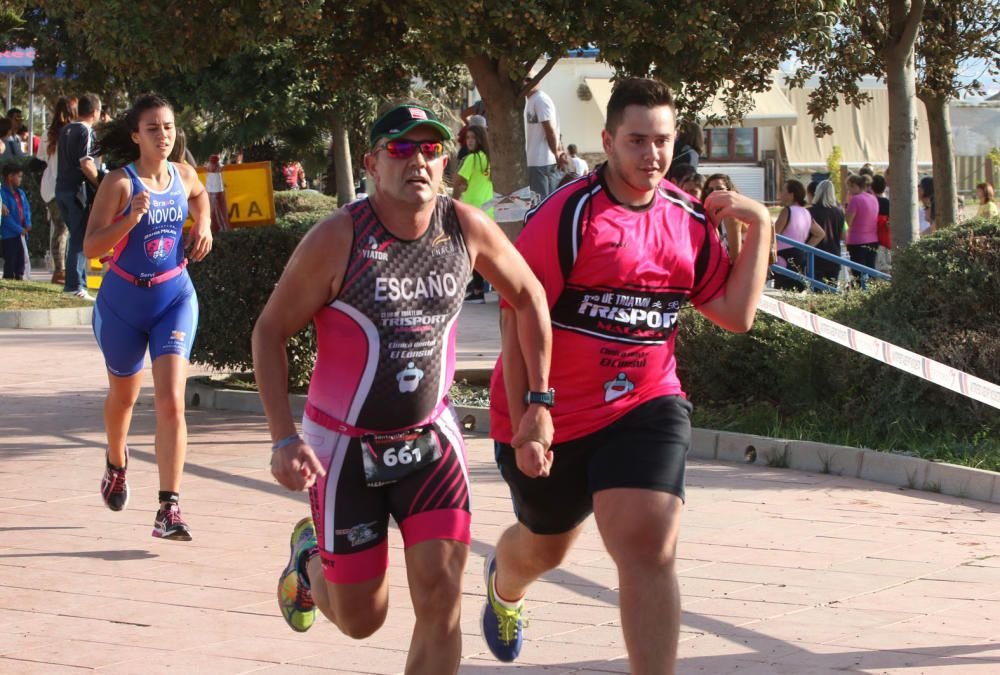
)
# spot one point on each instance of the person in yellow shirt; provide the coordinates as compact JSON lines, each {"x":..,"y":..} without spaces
{"x":474,"y":186}
{"x":987,"y":207}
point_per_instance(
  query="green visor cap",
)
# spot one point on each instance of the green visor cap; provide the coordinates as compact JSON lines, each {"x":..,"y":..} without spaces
{"x":402,"y":118}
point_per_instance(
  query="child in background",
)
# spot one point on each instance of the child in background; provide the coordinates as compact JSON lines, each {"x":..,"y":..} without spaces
{"x":15,"y":224}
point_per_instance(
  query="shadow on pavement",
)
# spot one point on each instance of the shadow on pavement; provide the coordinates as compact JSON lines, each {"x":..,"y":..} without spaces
{"x":103,"y":555}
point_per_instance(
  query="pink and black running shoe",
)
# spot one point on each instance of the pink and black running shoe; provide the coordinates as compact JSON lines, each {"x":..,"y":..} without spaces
{"x":114,"y":487}
{"x":169,"y":524}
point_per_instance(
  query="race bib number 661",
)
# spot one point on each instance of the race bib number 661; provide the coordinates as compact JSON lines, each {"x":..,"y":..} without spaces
{"x":390,"y":457}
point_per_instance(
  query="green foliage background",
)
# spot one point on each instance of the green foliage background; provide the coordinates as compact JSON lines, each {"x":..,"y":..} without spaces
{"x":235,"y":281}
{"x":942,"y":303}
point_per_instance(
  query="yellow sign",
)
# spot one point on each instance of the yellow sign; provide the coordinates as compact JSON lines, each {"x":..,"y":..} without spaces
{"x":95,"y":273}
{"x":249,"y":193}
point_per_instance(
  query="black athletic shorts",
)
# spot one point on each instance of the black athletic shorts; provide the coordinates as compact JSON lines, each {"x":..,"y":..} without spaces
{"x":646,"y":448}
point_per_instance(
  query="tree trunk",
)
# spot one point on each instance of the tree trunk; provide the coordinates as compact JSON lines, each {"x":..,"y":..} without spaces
{"x":902,"y":87}
{"x":340,"y":147}
{"x":945,"y":190}
{"x":505,"y":116}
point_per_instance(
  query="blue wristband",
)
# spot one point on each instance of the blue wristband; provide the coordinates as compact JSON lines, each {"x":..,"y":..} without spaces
{"x":287,"y":440}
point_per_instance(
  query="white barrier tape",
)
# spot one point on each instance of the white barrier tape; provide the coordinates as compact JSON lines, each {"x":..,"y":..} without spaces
{"x":880,"y":350}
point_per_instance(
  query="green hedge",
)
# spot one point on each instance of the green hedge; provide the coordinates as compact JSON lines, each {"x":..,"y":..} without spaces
{"x":234,"y":283}
{"x":942,"y":303}
{"x":302,"y":201}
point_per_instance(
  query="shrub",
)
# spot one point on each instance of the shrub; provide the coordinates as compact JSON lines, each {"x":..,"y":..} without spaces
{"x":234,"y":283}
{"x":942,"y":303}
{"x":301,"y":201}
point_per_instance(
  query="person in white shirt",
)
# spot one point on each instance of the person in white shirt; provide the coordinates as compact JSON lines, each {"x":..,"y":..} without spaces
{"x":541,"y":139}
{"x":63,"y":113}
{"x":579,"y":164}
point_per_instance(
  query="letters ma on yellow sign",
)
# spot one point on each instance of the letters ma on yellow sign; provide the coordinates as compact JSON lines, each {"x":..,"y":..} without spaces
{"x":249,"y":193}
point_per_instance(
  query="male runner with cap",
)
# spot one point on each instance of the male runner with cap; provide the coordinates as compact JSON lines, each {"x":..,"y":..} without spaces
{"x":619,"y":251}
{"x":383,"y":279}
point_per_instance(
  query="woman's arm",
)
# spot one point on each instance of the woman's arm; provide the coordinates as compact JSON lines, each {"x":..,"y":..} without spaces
{"x":105,"y":227}
{"x":816,"y":234}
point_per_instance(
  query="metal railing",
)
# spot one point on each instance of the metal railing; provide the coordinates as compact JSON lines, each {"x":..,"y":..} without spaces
{"x":809,"y":278}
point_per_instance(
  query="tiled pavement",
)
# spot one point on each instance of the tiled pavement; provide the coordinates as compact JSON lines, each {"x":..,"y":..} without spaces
{"x":781,"y":572}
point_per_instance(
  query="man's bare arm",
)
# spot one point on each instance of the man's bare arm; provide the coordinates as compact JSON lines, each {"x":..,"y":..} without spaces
{"x":735,"y":310}
{"x":311,"y":279}
{"x":550,"y":136}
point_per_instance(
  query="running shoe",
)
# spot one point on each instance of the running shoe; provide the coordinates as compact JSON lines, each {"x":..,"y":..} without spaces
{"x":294,"y":599}
{"x":169,"y":523}
{"x":503,"y":628}
{"x":114,"y":487}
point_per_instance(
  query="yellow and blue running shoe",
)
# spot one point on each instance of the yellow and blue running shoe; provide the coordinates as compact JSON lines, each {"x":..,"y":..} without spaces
{"x":503,"y":628}
{"x":294,"y":597}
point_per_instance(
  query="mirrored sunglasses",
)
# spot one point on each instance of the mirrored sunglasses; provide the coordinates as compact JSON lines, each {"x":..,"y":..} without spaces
{"x":399,"y":149}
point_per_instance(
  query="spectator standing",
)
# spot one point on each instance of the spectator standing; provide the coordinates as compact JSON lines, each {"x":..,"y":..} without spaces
{"x":76,"y":169}
{"x":474,"y":186}
{"x":862,"y":221}
{"x":11,"y":143}
{"x":14,"y":224}
{"x":48,"y":152}
{"x":693,"y":185}
{"x":180,"y":154}
{"x":690,"y":144}
{"x":796,"y":223}
{"x":295,"y":175}
{"x":28,"y":140}
{"x":680,"y":172}
{"x":217,"y":194}
{"x":925,"y":211}
{"x":731,"y":231}
{"x":826,"y":212}
{"x":16,"y":118}
{"x":883,"y":260}
{"x":878,"y":189}
{"x":541,"y":138}
{"x":987,"y":207}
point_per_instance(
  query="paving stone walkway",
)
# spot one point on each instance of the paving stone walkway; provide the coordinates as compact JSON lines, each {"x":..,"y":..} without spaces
{"x":781,"y":572}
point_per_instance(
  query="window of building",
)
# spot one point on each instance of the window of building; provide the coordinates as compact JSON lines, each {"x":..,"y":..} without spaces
{"x":737,"y":144}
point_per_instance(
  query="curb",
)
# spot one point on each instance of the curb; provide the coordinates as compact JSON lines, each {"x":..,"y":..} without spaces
{"x":888,"y":468}
{"x":63,"y":317}
{"x":200,"y":395}
{"x":903,"y":471}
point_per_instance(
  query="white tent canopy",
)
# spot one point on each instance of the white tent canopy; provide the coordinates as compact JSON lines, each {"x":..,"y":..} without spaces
{"x":861,"y":132}
{"x":770,"y":108}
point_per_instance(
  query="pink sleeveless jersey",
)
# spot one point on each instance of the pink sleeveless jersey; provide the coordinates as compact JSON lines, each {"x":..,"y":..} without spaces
{"x":615,"y":278}
{"x":385,"y":354}
{"x":799,"y":221}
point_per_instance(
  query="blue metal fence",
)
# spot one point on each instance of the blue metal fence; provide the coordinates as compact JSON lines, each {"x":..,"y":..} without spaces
{"x":809,"y":278}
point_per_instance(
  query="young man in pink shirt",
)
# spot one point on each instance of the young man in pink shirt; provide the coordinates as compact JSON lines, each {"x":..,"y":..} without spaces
{"x":619,"y":252}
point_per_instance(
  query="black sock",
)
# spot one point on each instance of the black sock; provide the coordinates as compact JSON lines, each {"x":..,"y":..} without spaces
{"x":303,"y":564}
{"x":167,"y":497}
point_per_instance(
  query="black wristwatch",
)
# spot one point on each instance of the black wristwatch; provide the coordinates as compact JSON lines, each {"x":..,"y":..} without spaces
{"x":546,"y":398}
